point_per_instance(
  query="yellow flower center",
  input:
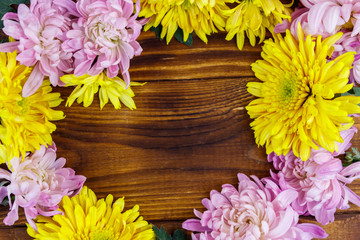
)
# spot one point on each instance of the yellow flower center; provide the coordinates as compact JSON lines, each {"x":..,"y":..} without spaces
{"x":24,"y":104}
{"x":186,"y":4}
{"x":288,"y":89}
{"x":102,"y":235}
{"x":291,"y":92}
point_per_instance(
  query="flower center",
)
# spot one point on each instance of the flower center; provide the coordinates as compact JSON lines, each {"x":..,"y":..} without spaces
{"x":103,"y":235}
{"x":186,"y":5}
{"x":24,"y":104}
{"x":288,"y":89}
{"x":292,"y":93}
{"x":349,"y":25}
{"x":104,"y":34}
{"x":299,"y":170}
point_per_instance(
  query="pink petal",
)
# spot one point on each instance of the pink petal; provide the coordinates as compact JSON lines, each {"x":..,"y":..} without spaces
{"x":285,"y":198}
{"x":13,"y":29}
{"x":69,"y":5}
{"x":34,"y":82}
{"x":315,"y":230}
{"x":82,"y":68}
{"x":74,"y":44}
{"x":356,"y":29}
{"x":126,"y":78}
{"x":3,"y":193}
{"x":74,"y":34}
{"x":54,"y":77}
{"x":137,"y":48}
{"x":207,"y":203}
{"x":194,"y":225}
{"x":29,"y":219}
{"x":11,"y":16}
{"x":4,"y":174}
{"x":352,"y":169}
{"x":335,"y":200}
{"x":59,"y":163}
{"x":218,"y":199}
{"x":346,"y":135}
{"x":27,"y":57}
{"x":316,"y":15}
{"x":12,"y":216}
{"x":121,"y":23}
{"x":331,"y":18}
{"x":283,"y":225}
{"x":9,"y":46}
{"x":113,"y":70}
{"x":51,"y":31}
{"x":281,"y":27}
{"x":198,"y":213}
{"x":346,"y":11}
{"x":353,"y":197}
{"x":48,"y":160}
{"x":322,"y":157}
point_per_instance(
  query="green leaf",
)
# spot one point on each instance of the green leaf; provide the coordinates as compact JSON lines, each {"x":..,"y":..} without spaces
{"x":161,"y":234}
{"x":179,"y":235}
{"x":354,"y":91}
{"x":5,"y":6}
{"x":157,"y":31}
{"x":179,"y":35}
{"x":351,"y":157}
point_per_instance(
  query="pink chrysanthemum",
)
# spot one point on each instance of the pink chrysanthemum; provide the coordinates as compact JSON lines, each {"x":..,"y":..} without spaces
{"x":253,"y":211}
{"x":40,"y":30}
{"x":39,"y":182}
{"x":320,"y":181}
{"x":104,"y":37}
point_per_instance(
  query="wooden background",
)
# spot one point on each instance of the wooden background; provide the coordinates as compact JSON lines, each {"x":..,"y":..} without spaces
{"x":190,"y":134}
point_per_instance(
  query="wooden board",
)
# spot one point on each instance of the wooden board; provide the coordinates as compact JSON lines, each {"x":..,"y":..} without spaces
{"x":190,"y":134}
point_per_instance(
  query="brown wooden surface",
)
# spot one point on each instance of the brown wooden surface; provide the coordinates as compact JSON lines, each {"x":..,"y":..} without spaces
{"x":190,"y":134}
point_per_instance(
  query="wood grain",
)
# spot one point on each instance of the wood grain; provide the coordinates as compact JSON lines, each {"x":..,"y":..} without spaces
{"x":190,"y":134}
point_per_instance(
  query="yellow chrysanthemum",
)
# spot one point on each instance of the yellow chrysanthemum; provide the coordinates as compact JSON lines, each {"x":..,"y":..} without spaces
{"x":25,"y":122}
{"x":110,"y":88}
{"x":253,"y":17}
{"x":86,"y":218}
{"x":298,"y":106}
{"x":200,"y":16}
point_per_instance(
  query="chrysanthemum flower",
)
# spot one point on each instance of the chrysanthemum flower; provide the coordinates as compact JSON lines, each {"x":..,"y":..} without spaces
{"x":253,"y":211}
{"x":320,"y":181}
{"x":298,"y":107}
{"x":110,"y":88}
{"x":25,"y":121}
{"x":85,"y":217}
{"x":38,"y":183}
{"x":200,"y":16}
{"x":253,"y":18}
{"x":104,"y":37}
{"x":40,"y":30}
